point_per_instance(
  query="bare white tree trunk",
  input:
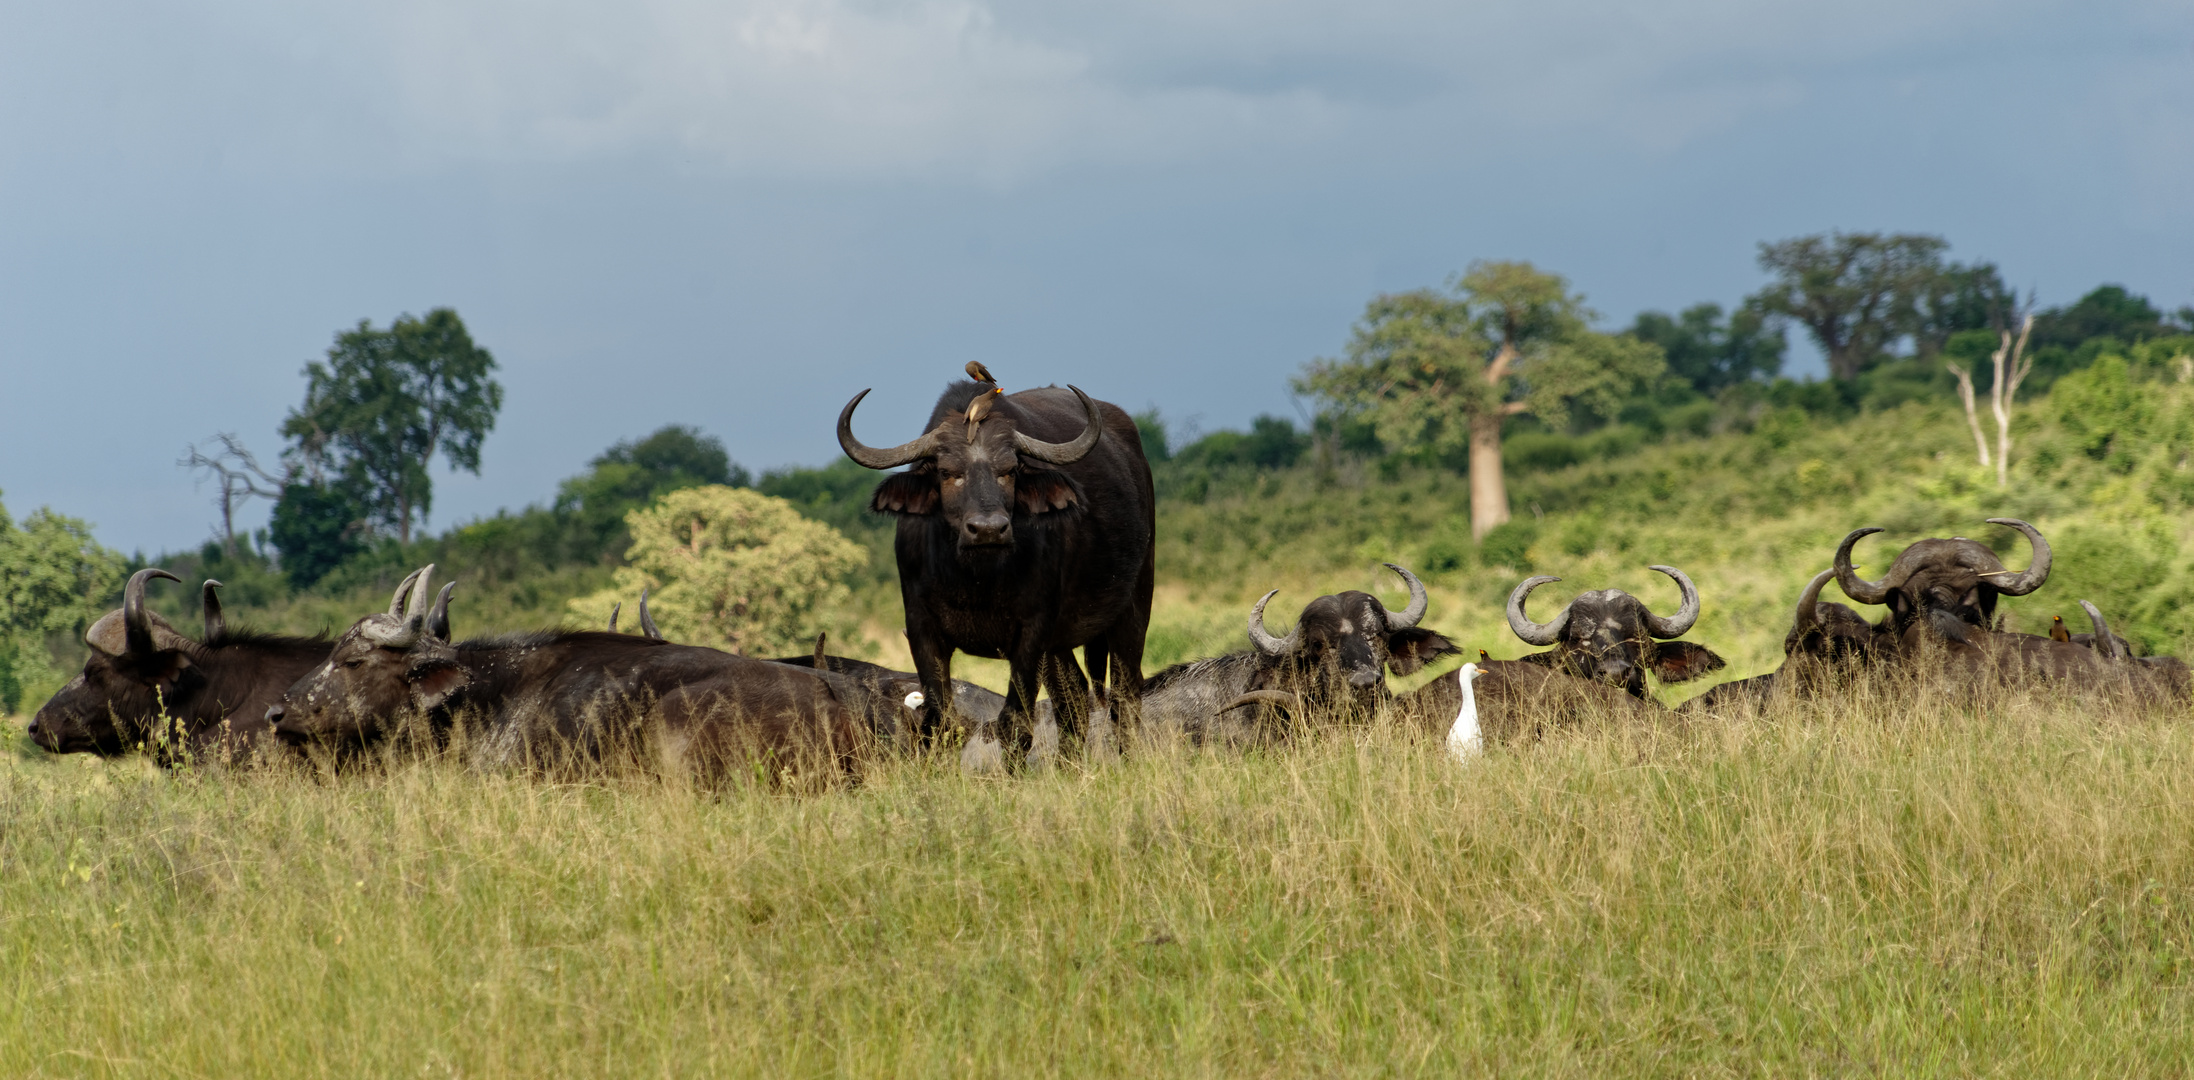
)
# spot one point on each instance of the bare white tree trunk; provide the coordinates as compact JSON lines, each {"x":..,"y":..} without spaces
{"x":1972,"y":415}
{"x":2012,"y":366}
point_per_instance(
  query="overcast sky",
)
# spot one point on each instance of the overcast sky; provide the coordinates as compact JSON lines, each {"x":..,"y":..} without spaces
{"x":737,"y":214}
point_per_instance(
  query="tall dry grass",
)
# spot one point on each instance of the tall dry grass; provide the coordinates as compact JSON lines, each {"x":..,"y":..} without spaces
{"x":2003,"y":889}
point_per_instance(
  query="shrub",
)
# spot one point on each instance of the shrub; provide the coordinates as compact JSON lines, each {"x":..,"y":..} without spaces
{"x":730,"y":568}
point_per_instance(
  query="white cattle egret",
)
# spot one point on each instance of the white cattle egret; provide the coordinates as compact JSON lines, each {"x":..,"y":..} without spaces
{"x":1464,"y":740}
{"x":915,"y":699}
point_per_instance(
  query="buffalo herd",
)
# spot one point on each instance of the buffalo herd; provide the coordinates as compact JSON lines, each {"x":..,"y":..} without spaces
{"x":1026,"y":527}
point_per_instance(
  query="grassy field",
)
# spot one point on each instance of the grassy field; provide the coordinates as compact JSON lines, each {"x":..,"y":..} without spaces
{"x":1911,"y":891}
{"x":1888,"y":887}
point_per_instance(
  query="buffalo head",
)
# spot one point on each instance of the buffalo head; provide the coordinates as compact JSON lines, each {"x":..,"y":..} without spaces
{"x":385,"y":665}
{"x":976,"y":468}
{"x":1610,"y":636}
{"x":1343,"y":645}
{"x":139,"y":670}
{"x":1826,"y":630}
{"x":1949,"y":585}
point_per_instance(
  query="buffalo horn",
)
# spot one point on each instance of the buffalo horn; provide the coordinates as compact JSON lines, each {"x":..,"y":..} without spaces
{"x":2106,"y":642}
{"x":1854,"y":586}
{"x":1686,"y":616}
{"x":136,"y":627}
{"x":1263,"y":639}
{"x":613,"y":610}
{"x":1807,"y":617}
{"x":1065,"y":453}
{"x":1418,"y":601}
{"x":1535,"y":633}
{"x":209,"y":603}
{"x":1281,"y":698}
{"x":902,"y":454}
{"x":410,"y":611}
{"x":822,"y":663}
{"x":2036,"y":571}
{"x":438,"y":616}
{"x":403,"y":590}
{"x":647,"y":621}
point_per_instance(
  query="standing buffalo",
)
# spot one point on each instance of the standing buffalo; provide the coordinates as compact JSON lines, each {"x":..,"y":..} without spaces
{"x":1335,"y":659}
{"x":1609,"y":635}
{"x":1026,"y":528}
{"x":214,"y":693}
{"x":573,"y":697}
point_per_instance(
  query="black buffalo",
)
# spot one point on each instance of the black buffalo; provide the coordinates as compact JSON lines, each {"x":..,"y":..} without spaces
{"x":574,"y":697}
{"x":1519,"y":701}
{"x":1335,"y":660}
{"x":1026,"y":528}
{"x":1610,"y":635}
{"x":1949,"y":586}
{"x":1826,"y":643}
{"x":144,"y":684}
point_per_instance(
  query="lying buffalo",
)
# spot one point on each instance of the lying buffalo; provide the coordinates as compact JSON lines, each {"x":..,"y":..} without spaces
{"x":1335,"y":660}
{"x":146,"y":684}
{"x":1610,"y":635}
{"x":1950,"y":585}
{"x":1826,"y":643}
{"x":1026,"y":530}
{"x":573,"y":696}
{"x":1519,"y":701}
{"x":895,"y":698}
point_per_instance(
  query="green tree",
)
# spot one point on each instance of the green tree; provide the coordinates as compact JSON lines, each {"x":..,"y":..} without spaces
{"x":315,"y":527}
{"x":1711,"y":352}
{"x":1856,"y":293}
{"x":730,"y":568}
{"x":387,"y":401}
{"x":54,"y":580}
{"x":2110,"y":311}
{"x":1442,"y":371}
{"x":632,"y":473}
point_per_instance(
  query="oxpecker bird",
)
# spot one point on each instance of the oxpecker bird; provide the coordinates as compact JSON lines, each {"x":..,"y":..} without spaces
{"x":979,"y":373}
{"x":2057,"y":632}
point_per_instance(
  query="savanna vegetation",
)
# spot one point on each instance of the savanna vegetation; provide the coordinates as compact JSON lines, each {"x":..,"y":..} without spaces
{"x":1864,"y":886}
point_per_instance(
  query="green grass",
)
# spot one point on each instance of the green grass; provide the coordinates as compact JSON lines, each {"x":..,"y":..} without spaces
{"x":1929,"y":893}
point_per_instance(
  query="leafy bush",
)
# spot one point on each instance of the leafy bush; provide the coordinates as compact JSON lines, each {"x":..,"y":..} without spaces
{"x":731,"y":568}
{"x":54,"y":580}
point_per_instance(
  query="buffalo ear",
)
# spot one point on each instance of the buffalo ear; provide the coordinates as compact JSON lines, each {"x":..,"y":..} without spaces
{"x":1408,"y":650}
{"x":1676,"y":661}
{"x":912,"y":493}
{"x":165,"y":667}
{"x":1040,"y":491}
{"x":435,"y":682}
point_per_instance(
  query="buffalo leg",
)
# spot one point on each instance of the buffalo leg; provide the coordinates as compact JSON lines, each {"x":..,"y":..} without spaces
{"x":1069,"y":695}
{"x":933,"y":665}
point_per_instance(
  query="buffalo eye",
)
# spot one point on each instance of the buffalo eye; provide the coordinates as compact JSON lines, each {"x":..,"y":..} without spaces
{"x":354,"y":661}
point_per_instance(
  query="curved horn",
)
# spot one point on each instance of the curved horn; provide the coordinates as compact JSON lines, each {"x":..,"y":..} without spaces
{"x":1066,"y":453}
{"x":1807,"y":617}
{"x":1281,"y":698}
{"x":209,"y":603}
{"x":136,"y":627}
{"x":2106,"y":642}
{"x":403,"y":588}
{"x":1535,"y":633}
{"x":873,"y":458}
{"x":1848,"y":579}
{"x":1263,"y":639}
{"x":438,"y":616}
{"x":1687,"y":616}
{"x":647,"y":621}
{"x":1418,"y":601}
{"x":2036,"y":571}
{"x":421,"y":588}
{"x":613,"y":610}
